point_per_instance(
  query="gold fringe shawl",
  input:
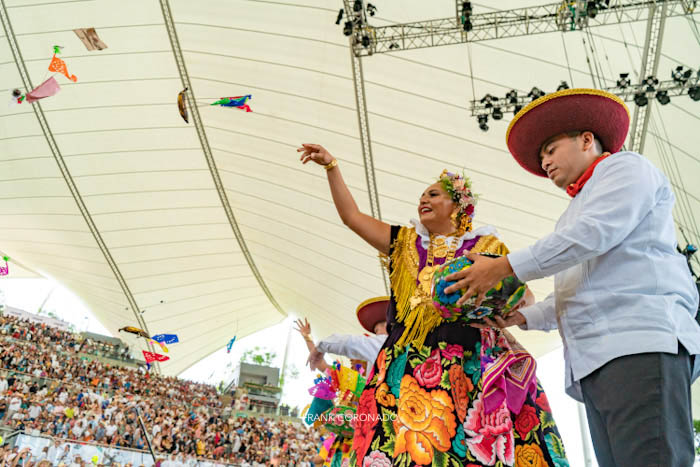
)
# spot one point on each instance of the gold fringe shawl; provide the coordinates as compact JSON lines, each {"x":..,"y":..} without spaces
{"x":416,"y":313}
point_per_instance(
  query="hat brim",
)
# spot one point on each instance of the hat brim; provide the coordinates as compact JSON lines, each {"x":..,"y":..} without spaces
{"x":372,"y":311}
{"x":600,"y":112}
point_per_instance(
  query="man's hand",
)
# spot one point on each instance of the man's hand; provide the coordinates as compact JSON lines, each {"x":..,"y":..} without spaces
{"x":515,"y":318}
{"x":479,"y":278}
{"x":314,"y":358}
{"x":304,"y":328}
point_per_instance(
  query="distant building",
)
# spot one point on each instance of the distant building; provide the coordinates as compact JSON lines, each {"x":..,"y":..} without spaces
{"x":256,"y":387}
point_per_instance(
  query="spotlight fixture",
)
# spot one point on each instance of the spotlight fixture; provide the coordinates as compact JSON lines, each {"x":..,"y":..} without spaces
{"x":662,"y":97}
{"x":512,"y":96}
{"x":393,"y":46}
{"x":466,"y":16}
{"x":563,"y":85}
{"x":371,"y":9}
{"x":497,"y":113}
{"x":681,"y":75}
{"x":624,"y":81}
{"x":592,"y":9}
{"x":641,"y":99}
{"x":651,"y":82}
{"x":340,"y":16}
{"x":482,"y":122}
{"x":357,"y":6}
{"x":535,"y":93}
{"x":486,"y":100}
{"x":517,"y":109}
{"x":365,"y":41}
{"x":694,"y":93}
{"x":347,"y":29}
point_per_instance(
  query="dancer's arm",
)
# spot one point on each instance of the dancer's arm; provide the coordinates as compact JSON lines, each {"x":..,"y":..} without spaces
{"x":315,"y":359}
{"x":373,"y":231}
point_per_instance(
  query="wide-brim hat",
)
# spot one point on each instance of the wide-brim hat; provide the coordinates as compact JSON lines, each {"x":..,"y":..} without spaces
{"x":600,"y":112}
{"x":372,"y":311}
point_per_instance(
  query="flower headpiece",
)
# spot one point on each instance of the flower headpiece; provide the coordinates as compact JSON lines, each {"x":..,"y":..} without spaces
{"x":459,"y":189}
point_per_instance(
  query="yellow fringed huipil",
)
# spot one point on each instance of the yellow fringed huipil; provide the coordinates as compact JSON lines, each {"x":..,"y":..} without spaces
{"x":413,"y":309}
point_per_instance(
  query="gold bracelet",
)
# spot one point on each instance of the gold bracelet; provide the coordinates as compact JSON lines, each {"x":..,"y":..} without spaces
{"x":332,"y":164}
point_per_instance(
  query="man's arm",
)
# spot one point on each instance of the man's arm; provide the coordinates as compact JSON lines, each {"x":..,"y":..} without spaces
{"x":541,"y":316}
{"x":359,"y":347}
{"x":617,"y":203}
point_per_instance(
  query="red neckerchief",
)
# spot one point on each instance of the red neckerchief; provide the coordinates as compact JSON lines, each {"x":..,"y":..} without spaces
{"x":573,"y":189}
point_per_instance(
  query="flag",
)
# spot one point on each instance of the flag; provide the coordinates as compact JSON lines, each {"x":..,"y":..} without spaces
{"x":230,"y":344}
{"x":134,"y":330}
{"x":166,"y":338}
{"x":238,"y":102}
{"x":182,"y":105}
{"x":46,"y":89}
{"x":59,"y":66}
{"x":162,"y":346}
{"x":90,"y":39}
{"x":154,"y":357}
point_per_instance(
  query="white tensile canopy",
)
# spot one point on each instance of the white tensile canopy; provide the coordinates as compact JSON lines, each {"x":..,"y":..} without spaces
{"x":124,"y":209}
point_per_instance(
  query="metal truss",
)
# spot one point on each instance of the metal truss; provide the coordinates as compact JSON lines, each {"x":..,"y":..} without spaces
{"x":672,"y":88}
{"x":206,"y":149}
{"x":65,"y":172}
{"x":560,"y":16}
{"x":650,"y":65}
{"x":363,"y":123}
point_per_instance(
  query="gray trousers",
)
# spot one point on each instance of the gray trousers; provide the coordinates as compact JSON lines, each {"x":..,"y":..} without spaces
{"x":639,"y":410}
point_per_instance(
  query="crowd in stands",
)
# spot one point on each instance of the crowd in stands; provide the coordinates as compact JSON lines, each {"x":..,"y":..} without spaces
{"x":47,"y":387}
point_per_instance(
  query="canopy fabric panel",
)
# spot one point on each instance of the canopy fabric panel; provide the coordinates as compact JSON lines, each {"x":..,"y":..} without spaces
{"x":142,"y":176}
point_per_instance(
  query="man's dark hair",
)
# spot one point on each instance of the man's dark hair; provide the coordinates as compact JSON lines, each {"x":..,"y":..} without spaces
{"x":596,"y":141}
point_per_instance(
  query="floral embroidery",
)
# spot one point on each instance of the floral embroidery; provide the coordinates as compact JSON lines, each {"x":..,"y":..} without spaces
{"x":459,"y":443}
{"x":556,"y":450}
{"x":542,"y":402}
{"x":381,"y":366}
{"x":452,"y":350}
{"x":526,"y":421}
{"x":490,"y":437}
{"x":395,"y":373}
{"x":429,"y":372}
{"x":529,"y":455}
{"x":376,"y":459}
{"x":367,"y":419}
{"x":425,"y":421}
{"x":461,"y":386}
{"x":384,"y":397}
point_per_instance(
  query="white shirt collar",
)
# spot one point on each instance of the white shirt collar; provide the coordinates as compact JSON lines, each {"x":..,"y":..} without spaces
{"x":425,"y":235}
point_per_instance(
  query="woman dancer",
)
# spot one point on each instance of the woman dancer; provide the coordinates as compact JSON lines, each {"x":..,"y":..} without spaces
{"x":435,"y":395}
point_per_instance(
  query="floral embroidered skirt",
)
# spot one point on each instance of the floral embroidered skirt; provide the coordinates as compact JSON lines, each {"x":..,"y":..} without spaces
{"x":426,"y":407}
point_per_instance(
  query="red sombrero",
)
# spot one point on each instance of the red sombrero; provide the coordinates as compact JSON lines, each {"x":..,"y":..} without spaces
{"x":600,"y":112}
{"x":372,"y":311}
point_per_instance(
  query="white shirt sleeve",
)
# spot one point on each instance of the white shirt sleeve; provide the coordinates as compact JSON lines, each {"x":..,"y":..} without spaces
{"x":358,"y":347}
{"x":541,"y":316}
{"x":624,"y":192}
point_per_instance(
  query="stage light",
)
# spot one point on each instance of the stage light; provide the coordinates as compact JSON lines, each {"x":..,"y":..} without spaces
{"x":662,"y":97}
{"x":482,"y":122}
{"x":340,"y":16}
{"x":624,"y":81}
{"x":563,"y":85}
{"x":512,"y":96}
{"x":535,"y":93}
{"x":641,"y":99}
{"x":517,"y":109}
{"x":466,"y":8}
{"x":651,"y":82}
{"x":371,"y":9}
{"x":365,"y":41}
{"x":681,"y":74}
{"x":592,"y":9}
{"x":347,"y":29}
{"x":497,"y":113}
{"x":393,"y":46}
{"x":486,"y":100}
{"x":694,"y":92}
{"x":468,"y":26}
{"x":357,"y":6}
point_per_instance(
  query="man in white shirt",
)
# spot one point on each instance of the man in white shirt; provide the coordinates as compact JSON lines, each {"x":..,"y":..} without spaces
{"x":372,"y":316}
{"x":624,"y":301}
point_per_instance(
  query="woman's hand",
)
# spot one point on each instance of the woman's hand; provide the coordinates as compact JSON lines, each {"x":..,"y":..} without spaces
{"x":315,"y":153}
{"x":304,"y":328}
